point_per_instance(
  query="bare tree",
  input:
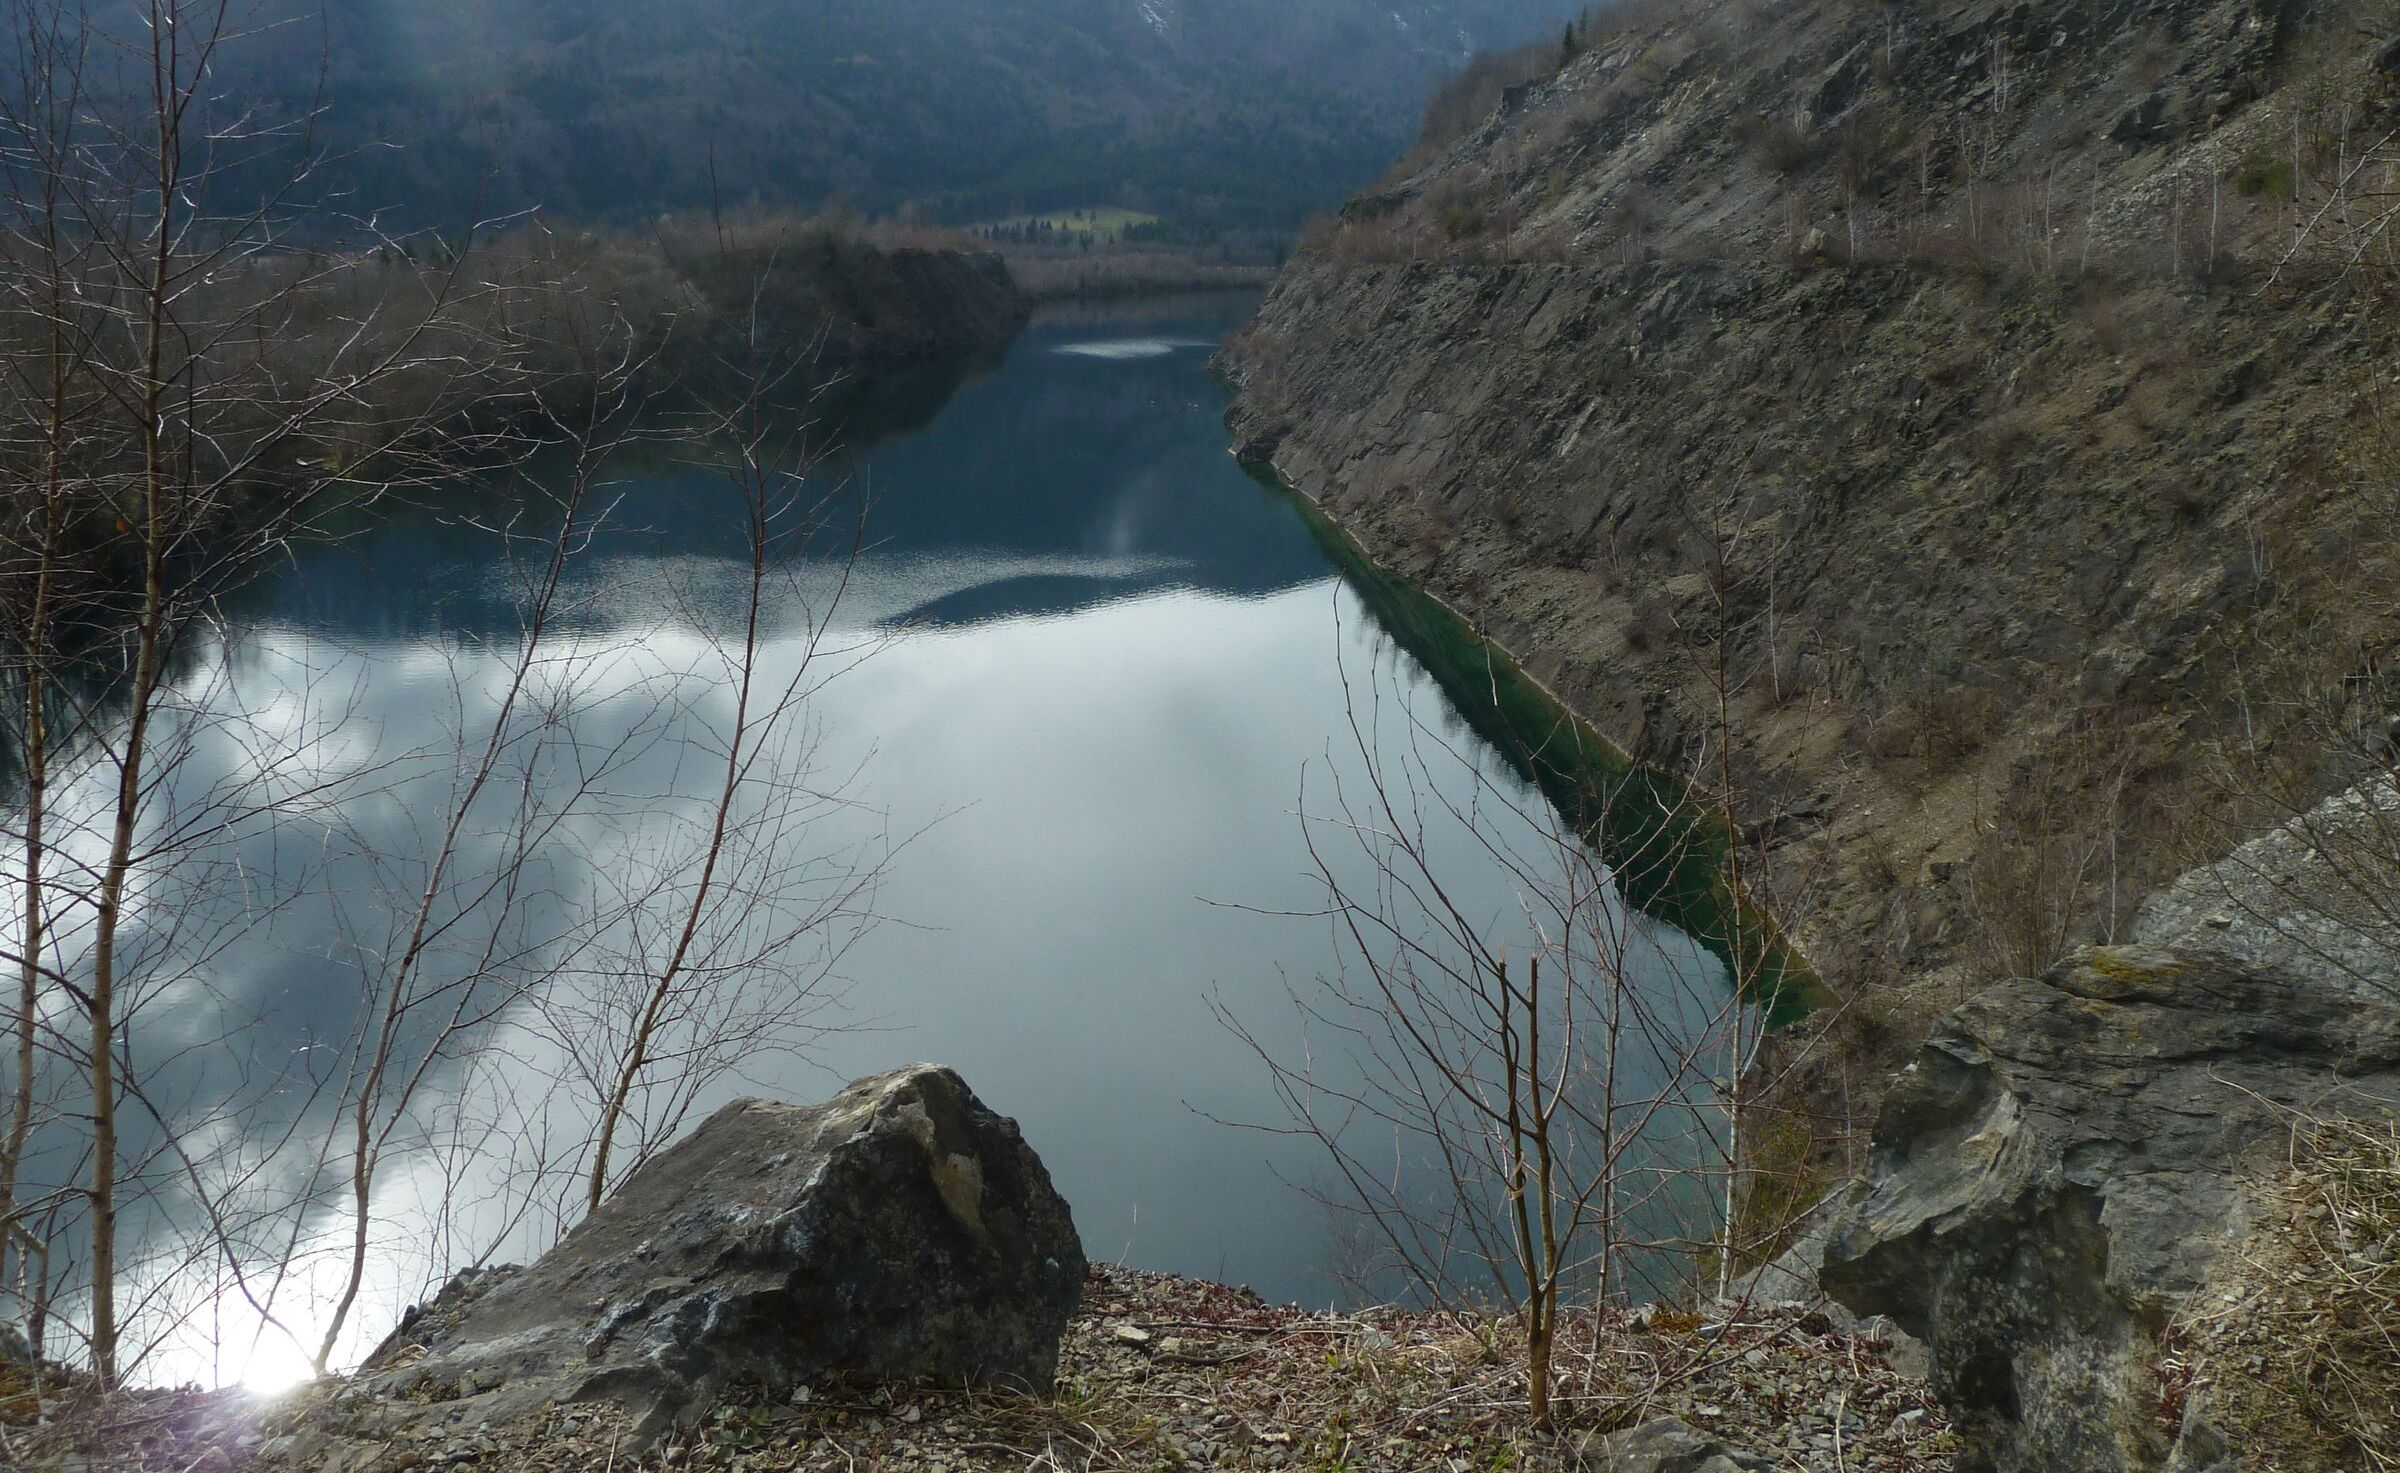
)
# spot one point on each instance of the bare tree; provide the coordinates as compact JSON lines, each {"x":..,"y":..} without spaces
{"x":193,"y":394}
{"x":1523,"y":1106}
{"x":723,"y":943}
{"x":42,"y":267}
{"x":436,"y":997}
{"x":169,"y":417}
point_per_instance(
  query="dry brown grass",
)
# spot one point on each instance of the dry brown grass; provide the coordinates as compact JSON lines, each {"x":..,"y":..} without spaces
{"x":1156,"y":1373}
{"x":1941,"y":725}
{"x":1780,"y":145}
{"x":2298,"y":1360}
{"x":1377,"y":240}
{"x":1437,"y":528}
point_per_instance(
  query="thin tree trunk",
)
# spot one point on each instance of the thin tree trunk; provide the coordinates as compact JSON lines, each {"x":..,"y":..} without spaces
{"x":27,"y":1016}
{"x":1537,"y":1366}
{"x":149,"y":640}
{"x":662,"y":990}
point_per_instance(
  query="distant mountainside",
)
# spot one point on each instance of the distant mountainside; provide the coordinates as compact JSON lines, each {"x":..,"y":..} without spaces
{"x":1231,"y":110}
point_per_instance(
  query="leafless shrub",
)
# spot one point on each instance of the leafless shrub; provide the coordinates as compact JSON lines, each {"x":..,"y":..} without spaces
{"x":1628,"y":222}
{"x":1377,"y":240}
{"x":2045,"y":873}
{"x":1436,"y":528}
{"x":2103,"y":307}
{"x":1943,"y":725}
{"x":1552,"y":244}
{"x":1650,"y":624}
{"x":1556,"y":1129}
{"x":2148,"y":62}
{"x":1462,"y":104}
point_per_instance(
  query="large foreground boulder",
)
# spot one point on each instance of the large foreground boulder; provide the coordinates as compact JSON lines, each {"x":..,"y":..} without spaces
{"x":2069,"y":1160}
{"x":900,"y":1230}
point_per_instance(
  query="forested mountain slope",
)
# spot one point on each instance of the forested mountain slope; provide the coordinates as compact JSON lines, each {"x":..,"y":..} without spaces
{"x":1242,"y":109}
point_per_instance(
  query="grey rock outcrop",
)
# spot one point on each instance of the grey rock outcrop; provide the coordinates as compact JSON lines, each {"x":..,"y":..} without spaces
{"x":1794,"y":1278}
{"x":2056,"y":1173}
{"x":2319,"y":895}
{"x":900,"y":1229}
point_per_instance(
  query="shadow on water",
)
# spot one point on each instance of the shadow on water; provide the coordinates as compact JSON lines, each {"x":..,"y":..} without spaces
{"x":1669,"y":851}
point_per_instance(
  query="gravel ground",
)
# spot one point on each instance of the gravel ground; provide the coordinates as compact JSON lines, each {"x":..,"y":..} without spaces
{"x":1158,"y":1373}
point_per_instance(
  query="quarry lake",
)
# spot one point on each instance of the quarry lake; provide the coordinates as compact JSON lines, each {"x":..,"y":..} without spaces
{"x":1083,"y":679}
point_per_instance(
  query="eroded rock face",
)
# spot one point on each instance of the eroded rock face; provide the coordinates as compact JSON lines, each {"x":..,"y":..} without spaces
{"x":2055,"y":1174}
{"x":900,"y":1229}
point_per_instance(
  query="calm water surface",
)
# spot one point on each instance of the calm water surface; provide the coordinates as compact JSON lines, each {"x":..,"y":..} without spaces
{"x":1105,"y":660}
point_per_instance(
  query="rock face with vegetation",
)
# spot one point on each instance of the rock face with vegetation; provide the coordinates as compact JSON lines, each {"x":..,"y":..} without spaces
{"x":899,"y":1230}
{"x":2054,"y":1178}
{"x":1988,"y":384}
{"x":2078,"y":1170}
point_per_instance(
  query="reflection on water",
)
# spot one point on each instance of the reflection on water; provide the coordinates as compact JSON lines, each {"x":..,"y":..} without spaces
{"x":1129,"y":350}
{"x":1096,"y":662}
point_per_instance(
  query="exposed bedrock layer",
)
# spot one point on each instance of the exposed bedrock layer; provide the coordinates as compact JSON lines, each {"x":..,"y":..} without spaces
{"x":1944,"y":570}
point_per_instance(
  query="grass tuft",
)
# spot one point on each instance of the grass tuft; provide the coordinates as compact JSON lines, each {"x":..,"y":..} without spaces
{"x":2299,"y":1358}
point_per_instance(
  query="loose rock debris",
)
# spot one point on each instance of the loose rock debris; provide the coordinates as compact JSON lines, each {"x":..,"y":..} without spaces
{"x":1158,"y":1374}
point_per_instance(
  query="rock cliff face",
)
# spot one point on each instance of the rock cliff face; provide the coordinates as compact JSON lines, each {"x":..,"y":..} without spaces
{"x":1942,"y":358}
{"x":899,"y":1230}
{"x":2055,"y":1176}
{"x":2066,"y":1166}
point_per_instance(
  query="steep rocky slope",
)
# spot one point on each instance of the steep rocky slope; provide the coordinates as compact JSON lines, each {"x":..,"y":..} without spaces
{"x":2000,"y":389}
